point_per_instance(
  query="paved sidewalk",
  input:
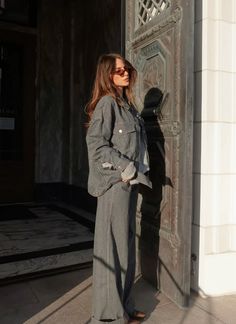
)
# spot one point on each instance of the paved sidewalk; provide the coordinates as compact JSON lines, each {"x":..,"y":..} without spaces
{"x":66,"y":299}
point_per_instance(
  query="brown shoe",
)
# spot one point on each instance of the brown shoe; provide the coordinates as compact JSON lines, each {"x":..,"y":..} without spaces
{"x":137,"y":315}
{"x":133,"y":321}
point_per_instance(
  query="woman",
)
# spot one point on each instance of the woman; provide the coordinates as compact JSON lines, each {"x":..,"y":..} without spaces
{"x":118,"y":161}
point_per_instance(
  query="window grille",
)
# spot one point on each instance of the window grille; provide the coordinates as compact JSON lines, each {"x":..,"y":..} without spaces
{"x":2,"y":5}
{"x":148,"y":9}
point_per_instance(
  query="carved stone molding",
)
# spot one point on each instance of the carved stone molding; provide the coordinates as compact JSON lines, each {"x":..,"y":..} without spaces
{"x":174,"y":241}
{"x":160,"y":49}
{"x":150,"y":61}
{"x":165,"y":24}
{"x":171,"y":129}
{"x":157,"y":63}
{"x":154,"y":232}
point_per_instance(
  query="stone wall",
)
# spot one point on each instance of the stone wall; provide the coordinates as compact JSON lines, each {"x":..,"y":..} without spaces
{"x":214,"y":222}
{"x":49,"y":117}
{"x":96,"y":29}
{"x":72,"y":35}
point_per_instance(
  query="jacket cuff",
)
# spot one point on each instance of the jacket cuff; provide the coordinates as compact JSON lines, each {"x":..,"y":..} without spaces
{"x":122,"y":165}
{"x":129,"y":172}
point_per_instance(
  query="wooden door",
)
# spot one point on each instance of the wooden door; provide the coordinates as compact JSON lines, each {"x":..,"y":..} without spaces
{"x":17,"y":114}
{"x":159,"y":42}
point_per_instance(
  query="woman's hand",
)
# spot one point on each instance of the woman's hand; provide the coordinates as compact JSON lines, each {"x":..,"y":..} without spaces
{"x":129,"y":172}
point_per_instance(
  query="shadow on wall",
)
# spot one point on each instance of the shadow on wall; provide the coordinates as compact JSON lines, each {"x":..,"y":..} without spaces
{"x":149,"y":241}
{"x":152,"y":199}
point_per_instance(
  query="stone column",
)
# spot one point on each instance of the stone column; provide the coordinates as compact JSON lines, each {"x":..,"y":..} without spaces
{"x":214,"y":221}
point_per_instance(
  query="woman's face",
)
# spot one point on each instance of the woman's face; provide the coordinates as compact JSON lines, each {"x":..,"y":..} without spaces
{"x":121,"y":75}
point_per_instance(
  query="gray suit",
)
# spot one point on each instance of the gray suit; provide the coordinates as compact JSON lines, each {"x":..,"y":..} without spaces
{"x":113,"y":141}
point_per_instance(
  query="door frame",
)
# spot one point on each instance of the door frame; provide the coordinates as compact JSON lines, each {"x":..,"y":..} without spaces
{"x":167,"y":248}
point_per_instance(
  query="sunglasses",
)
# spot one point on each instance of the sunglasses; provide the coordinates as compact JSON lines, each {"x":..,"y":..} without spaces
{"x":121,"y":71}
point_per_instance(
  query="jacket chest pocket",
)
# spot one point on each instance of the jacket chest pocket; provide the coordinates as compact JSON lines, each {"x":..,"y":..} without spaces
{"x":125,"y":137}
{"x":123,"y":129}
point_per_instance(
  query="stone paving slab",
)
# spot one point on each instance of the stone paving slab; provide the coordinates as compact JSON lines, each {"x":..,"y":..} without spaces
{"x":50,"y":239}
{"x":66,"y":299}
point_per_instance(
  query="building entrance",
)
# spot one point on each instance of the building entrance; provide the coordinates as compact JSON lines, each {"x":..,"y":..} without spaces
{"x":159,"y":41}
{"x":17,"y":115}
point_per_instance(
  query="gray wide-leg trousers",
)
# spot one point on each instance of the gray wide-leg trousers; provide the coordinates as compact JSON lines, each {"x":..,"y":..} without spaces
{"x":114,"y":254}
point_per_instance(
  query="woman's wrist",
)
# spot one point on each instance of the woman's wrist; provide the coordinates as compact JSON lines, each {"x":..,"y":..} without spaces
{"x":129,"y":172}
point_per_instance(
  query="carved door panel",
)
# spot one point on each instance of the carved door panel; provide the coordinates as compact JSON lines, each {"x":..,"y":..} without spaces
{"x":159,"y":42}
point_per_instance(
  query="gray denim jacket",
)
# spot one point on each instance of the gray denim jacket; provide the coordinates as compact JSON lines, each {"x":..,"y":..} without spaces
{"x":112,"y":141}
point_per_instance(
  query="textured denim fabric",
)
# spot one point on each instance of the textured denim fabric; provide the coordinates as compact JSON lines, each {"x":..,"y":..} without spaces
{"x":112,"y":137}
{"x":114,"y":254}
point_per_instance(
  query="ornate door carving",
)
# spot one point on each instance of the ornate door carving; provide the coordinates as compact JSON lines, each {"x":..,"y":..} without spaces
{"x":159,"y":42}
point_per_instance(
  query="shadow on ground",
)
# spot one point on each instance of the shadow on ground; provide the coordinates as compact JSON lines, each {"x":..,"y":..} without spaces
{"x":62,"y":298}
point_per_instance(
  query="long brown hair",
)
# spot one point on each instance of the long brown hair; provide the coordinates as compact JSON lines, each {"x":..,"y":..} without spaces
{"x":103,"y":84}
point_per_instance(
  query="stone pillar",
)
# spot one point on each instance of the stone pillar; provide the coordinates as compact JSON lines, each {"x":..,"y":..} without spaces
{"x":214,"y":222}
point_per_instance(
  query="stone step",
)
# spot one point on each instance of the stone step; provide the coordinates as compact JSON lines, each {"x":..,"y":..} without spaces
{"x":49,"y":237}
{"x":42,"y":264}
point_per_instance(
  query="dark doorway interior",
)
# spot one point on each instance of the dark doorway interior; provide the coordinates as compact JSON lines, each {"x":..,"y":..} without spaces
{"x":17,"y":102}
{"x":17,"y":99}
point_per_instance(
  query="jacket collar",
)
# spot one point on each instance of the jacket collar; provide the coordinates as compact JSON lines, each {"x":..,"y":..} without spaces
{"x":125,"y":104}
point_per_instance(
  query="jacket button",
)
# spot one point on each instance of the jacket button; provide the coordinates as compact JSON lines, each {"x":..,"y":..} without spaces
{"x":120,"y":130}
